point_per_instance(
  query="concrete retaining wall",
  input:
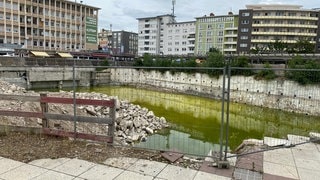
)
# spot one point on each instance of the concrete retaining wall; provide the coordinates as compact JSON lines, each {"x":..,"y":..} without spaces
{"x":279,"y":94}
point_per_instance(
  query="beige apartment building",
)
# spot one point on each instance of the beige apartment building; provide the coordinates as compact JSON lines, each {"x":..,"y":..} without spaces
{"x":49,"y":25}
{"x":260,"y":25}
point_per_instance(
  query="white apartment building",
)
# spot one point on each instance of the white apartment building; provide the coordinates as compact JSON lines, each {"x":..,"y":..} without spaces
{"x":151,"y":34}
{"x":179,"y":38}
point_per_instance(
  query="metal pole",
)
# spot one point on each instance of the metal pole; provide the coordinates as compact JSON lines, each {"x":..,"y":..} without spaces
{"x":222,"y":114}
{"x":227,"y":120}
{"x":74,"y":99}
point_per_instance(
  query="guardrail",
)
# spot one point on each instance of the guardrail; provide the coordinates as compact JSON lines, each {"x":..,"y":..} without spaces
{"x":44,"y":101}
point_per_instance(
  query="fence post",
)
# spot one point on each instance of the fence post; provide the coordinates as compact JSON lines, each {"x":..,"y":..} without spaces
{"x":113,"y":118}
{"x":44,"y":109}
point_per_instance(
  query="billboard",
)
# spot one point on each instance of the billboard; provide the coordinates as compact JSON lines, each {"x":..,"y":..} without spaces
{"x":91,"y":30}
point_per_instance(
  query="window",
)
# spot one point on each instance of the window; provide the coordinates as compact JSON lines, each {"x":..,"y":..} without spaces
{"x":244,"y":37}
{"x":245,"y":22}
{"x":243,"y":45}
{"x":246,"y":14}
{"x":244,"y":30}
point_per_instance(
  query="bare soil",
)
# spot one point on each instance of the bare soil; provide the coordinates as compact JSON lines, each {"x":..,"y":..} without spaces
{"x":28,"y":147}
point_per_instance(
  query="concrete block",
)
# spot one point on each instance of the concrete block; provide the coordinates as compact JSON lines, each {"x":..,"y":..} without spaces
{"x":314,"y":137}
{"x":272,"y":142}
{"x":294,"y":139}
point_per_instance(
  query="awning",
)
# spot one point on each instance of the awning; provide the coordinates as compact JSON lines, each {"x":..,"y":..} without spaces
{"x":40,"y":54}
{"x":65,"y":55}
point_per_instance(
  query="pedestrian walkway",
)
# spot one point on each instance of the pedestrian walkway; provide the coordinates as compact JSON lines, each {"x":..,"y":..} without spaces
{"x":298,"y":162}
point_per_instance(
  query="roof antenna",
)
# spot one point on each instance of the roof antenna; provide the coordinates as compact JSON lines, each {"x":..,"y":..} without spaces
{"x":173,"y":4}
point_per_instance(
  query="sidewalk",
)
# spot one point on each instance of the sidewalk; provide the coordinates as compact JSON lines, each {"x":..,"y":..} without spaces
{"x":298,"y":162}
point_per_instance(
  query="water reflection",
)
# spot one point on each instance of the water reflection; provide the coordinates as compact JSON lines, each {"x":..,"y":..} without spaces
{"x":196,"y":121}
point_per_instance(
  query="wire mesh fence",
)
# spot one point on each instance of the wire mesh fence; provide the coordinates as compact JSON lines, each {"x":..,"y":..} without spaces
{"x":265,"y":104}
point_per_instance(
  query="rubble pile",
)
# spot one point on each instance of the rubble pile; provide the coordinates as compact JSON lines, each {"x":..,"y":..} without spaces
{"x":133,"y":123}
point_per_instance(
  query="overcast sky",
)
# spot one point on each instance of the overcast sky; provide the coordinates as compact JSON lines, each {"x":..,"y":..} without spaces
{"x":123,"y":14}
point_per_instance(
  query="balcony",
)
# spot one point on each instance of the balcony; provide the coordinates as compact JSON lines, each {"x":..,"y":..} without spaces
{"x":286,"y":17}
{"x":285,"y":34}
{"x":286,"y":25}
{"x":231,"y":35}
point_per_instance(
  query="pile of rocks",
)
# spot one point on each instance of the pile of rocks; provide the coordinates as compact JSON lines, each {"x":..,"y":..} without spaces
{"x":133,"y":123}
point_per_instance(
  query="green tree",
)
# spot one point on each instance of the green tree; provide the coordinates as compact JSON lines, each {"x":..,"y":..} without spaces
{"x":267,"y":73}
{"x":214,"y":59}
{"x":241,"y":62}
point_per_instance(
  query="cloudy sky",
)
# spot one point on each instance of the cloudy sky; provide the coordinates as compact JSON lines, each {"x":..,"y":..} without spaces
{"x":123,"y":14}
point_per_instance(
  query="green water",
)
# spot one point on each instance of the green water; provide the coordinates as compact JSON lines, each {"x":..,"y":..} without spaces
{"x":195,"y":121}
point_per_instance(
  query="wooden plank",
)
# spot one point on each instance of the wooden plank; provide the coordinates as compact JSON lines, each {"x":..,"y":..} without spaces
{"x":21,"y":113}
{"x":108,"y":103}
{"x":92,"y":137}
{"x":19,"y":98}
{"x":67,"y":117}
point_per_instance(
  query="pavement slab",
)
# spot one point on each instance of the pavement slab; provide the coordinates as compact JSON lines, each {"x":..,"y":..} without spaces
{"x":133,"y":176}
{"x":307,"y":174}
{"x":275,"y":177}
{"x":120,"y":162}
{"x":171,"y":172}
{"x":101,"y":172}
{"x":147,"y":167}
{"x":246,"y":174}
{"x":294,"y":139}
{"x":23,"y":172}
{"x":272,"y":142}
{"x":280,"y":169}
{"x":52,"y":175}
{"x":252,"y":162}
{"x":208,"y":176}
{"x":49,"y":163}
{"x":8,"y":164}
{"x":280,"y":156}
{"x":74,"y":167}
{"x":207,"y":167}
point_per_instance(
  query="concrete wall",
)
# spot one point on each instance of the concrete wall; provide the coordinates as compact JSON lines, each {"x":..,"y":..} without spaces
{"x":279,"y":94}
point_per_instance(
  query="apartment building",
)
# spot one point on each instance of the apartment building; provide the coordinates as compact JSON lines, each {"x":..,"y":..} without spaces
{"x":179,"y":38}
{"x":219,"y":32}
{"x":104,"y":39}
{"x":49,"y":25}
{"x":151,"y":34}
{"x":124,"y":43}
{"x":260,"y":25}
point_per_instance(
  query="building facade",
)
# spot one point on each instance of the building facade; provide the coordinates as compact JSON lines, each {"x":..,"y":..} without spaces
{"x":49,"y":25}
{"x":219,"y":32}
{"x":104,"y":39}
{"x":179,"y":38}
{"x":124,"y":43}
{"x":260,"y":25}
{"x":151,"y":33}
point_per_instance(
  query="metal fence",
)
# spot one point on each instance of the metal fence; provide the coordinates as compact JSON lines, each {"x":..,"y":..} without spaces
{"x":228,"y":106}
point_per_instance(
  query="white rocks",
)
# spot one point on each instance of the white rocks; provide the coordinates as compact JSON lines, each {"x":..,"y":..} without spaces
{"x":315,"y":137}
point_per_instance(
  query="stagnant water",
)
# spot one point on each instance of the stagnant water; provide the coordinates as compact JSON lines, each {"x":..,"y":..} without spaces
{"x":195,"y":121}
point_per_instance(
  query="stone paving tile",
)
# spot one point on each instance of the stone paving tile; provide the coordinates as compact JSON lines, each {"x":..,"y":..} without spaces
{"x":74,"y":167}
{"x":303,"y":152}
{"x":52,"y":175}
{"x":252,"y":162}
{"x":207,"y":167}
{"x":277,"y":169}
{"x":101,"y":172}
{"x":49,"y":163}
{"x":208,"y":176}
{"x":307,"y":174}
{"x":279,"y":157}
{"x":171,"y":172}
{"x":128,"y":175}
{"x":8,"y":164}
{"x":307,"y":164}
{"x":120,"y":162}
{"x":147,"y":167}
{"x":23,"y":172}
{"x":246,"y":174}
{"x":172,"y":157}
{"x":271,"y":142}
{"x":275,"y":177}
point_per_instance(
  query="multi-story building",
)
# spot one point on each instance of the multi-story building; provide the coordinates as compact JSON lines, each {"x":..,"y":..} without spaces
{"x":260,"y":25}
{"x":104,"y":39}
{"x":219,"y":32}
{"x":124,"y":43}
{"x":49,"y":24}
{"x":151,"y":32}
{"x":179,"y":38}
